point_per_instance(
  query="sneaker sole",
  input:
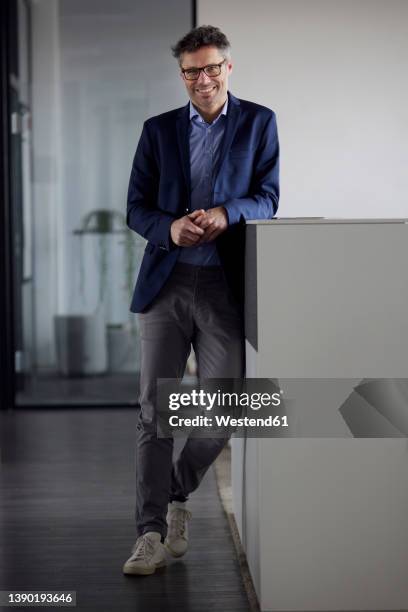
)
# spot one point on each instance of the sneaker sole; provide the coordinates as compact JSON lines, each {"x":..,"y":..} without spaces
{"x":142,"y":571}
{"x":172,"y":552}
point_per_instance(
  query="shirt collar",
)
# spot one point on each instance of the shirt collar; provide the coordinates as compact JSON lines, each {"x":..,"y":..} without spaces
{"x":194,"y":112}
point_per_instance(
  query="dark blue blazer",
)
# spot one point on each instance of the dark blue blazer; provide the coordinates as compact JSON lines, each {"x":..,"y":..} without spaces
{"x":246,"y":183}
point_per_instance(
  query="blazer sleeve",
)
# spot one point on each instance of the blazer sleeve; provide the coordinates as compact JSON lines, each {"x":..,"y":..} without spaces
{"x":142,"y":214}
{"x":262,"y":201}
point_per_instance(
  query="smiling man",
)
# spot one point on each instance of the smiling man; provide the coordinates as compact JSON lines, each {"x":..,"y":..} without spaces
{"x":198,"y":174}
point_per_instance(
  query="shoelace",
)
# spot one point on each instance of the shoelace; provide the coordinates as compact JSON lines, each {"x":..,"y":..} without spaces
{"x":178,"y":521}
{"x":144,"y":549}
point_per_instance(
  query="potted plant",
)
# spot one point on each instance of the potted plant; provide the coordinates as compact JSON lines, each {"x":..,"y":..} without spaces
{"x":122,"y":346}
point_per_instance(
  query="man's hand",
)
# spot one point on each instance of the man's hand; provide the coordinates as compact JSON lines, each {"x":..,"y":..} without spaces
{"x":199,"y":226}
{"x":213,"y":221}
{"x":184,"y":232}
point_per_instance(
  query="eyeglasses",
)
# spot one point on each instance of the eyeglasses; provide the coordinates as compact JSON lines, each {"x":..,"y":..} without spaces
{"x":212,"y":70}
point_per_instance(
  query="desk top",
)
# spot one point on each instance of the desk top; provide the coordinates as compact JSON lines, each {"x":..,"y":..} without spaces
{"x":321,"y":221}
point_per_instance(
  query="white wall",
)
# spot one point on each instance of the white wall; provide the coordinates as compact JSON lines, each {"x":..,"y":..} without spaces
{"x":335,"y":72}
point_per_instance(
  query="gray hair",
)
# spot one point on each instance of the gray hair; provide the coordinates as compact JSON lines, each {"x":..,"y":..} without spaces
{"x":203,"y":36}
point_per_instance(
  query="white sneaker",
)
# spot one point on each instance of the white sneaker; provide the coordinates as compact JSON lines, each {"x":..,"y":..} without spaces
{"x":176,"y":542}
{"x":148,"y":554}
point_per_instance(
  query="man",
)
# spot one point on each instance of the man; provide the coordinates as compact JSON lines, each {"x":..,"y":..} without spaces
{"x":198,"y":174}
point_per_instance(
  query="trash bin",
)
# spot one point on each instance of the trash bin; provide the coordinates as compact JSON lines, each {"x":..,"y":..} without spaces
{"x":80,"y":344}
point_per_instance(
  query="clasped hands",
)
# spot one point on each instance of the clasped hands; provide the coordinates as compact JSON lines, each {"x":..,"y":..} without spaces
{"x":199,"y":226}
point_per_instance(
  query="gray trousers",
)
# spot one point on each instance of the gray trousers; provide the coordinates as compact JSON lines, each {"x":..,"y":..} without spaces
{"x":195,"y":308}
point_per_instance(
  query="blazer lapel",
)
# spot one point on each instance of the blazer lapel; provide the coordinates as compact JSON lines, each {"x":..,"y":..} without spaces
{"x":233,"y":114}
{"x":183,"y":122}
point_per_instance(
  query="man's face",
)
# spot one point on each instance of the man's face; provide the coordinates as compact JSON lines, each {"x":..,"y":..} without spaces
{"x":207,"y":92}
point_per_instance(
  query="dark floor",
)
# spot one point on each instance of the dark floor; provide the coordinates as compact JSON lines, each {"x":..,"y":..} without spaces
{"x":66,"y":519}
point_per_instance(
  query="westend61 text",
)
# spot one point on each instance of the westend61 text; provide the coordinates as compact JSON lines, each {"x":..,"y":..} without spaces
{"x":222,"y":399}
{"x":228,"y":421}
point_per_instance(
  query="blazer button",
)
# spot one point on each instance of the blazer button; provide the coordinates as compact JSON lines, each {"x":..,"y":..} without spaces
{"x":187,"y":209}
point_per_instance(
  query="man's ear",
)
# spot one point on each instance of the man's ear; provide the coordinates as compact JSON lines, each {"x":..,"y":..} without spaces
{"x":180,"y":73}
{"x":229,"y":67}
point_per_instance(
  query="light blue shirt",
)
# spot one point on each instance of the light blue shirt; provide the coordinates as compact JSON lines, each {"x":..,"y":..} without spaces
{"x":205,"y":146}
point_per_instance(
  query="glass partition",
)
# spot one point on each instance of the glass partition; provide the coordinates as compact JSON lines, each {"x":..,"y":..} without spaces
{"x":89,"y":73}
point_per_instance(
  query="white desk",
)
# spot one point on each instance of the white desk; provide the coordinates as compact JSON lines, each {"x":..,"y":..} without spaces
{"x":324,"y":521}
